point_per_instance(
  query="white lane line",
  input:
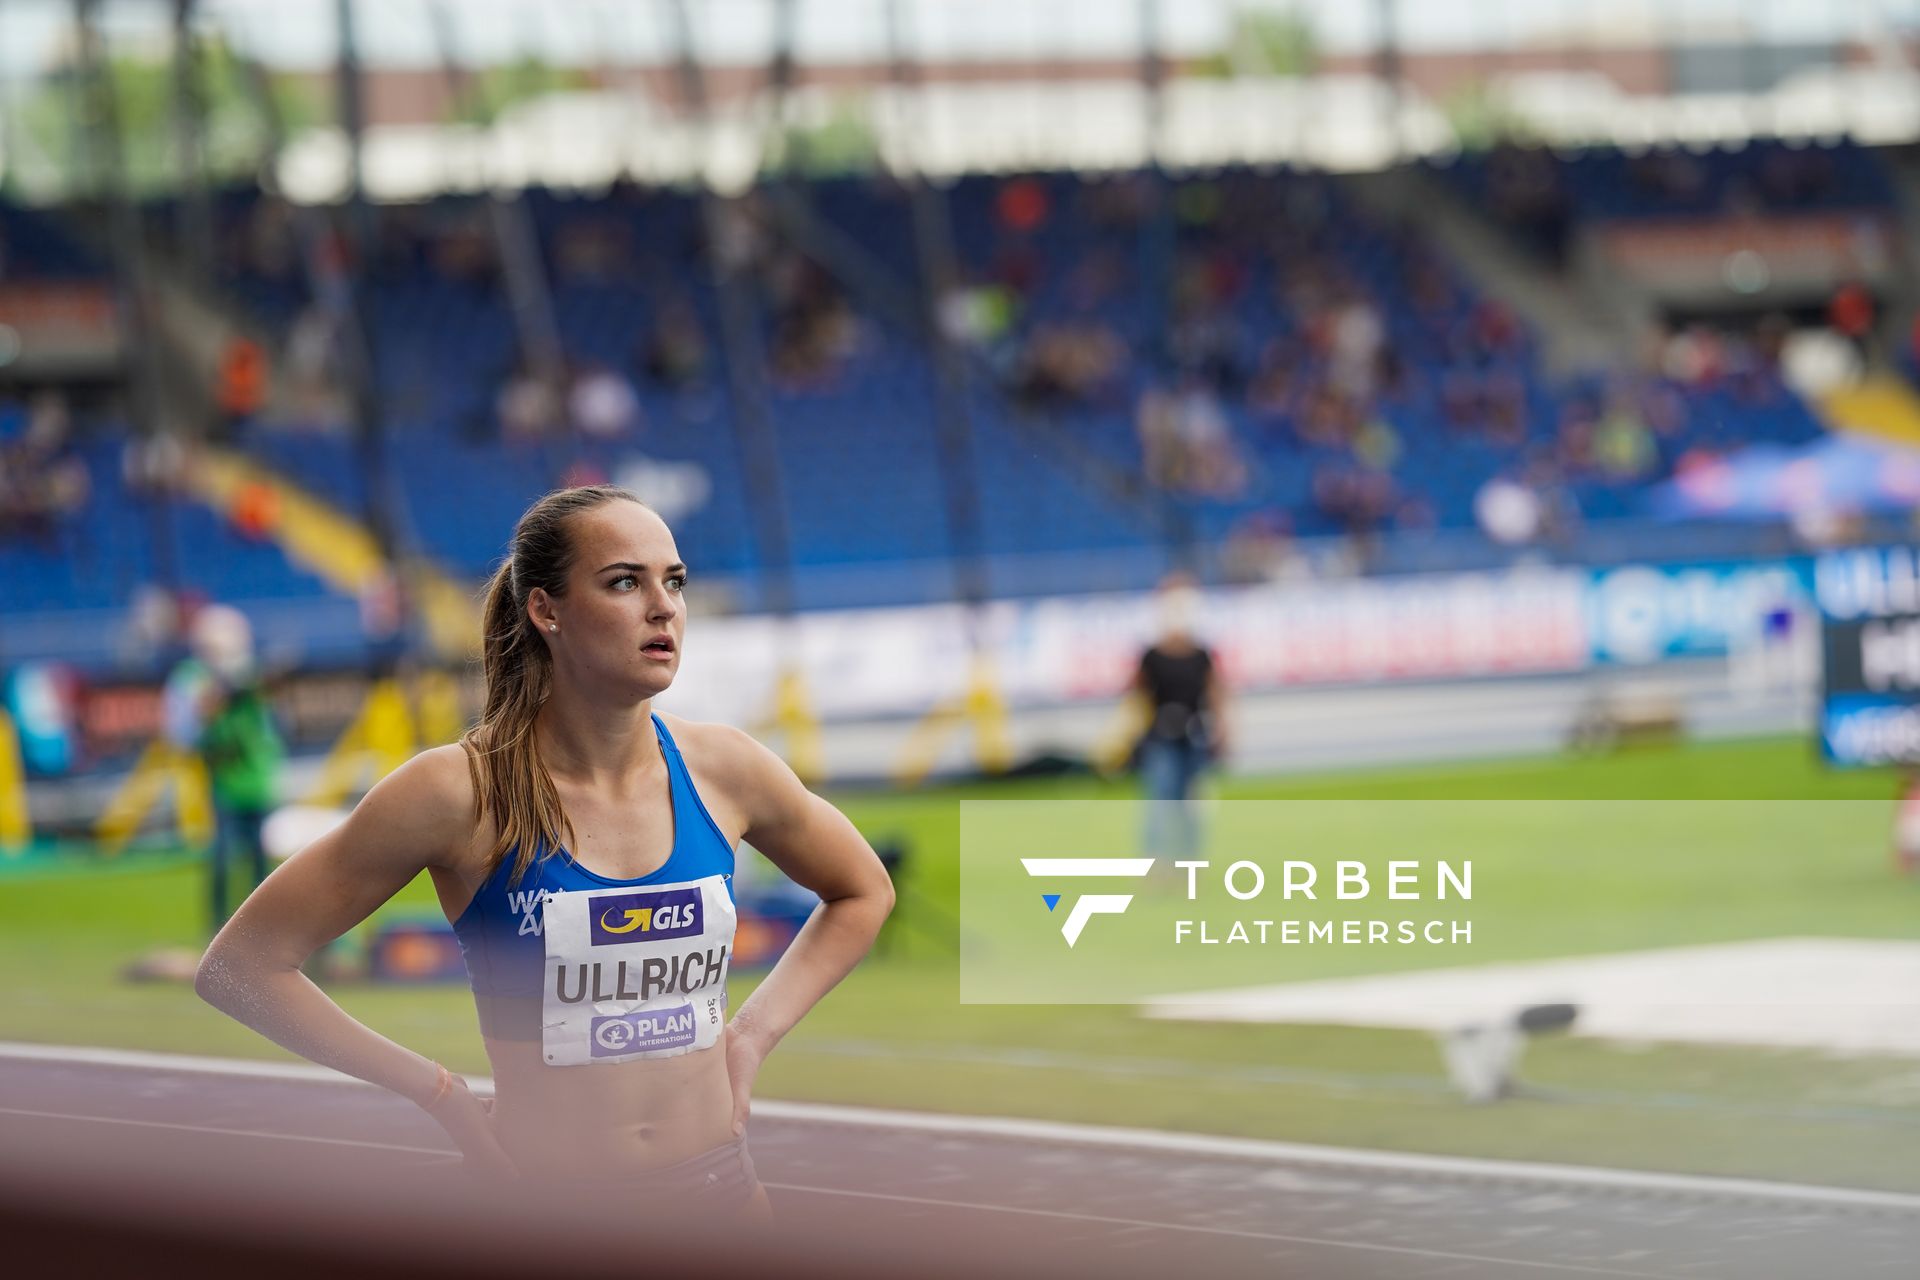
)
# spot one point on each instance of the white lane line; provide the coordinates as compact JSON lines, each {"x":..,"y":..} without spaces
{"x":1109,"y":1136}
{"x":1261,"y":1149}
{"x":88,"y":1055}
{"x":1274,"y":1236}
{"x":225,"y":1133}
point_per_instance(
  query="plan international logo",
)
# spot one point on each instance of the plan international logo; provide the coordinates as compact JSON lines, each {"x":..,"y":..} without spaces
{"x":1087,"y":905}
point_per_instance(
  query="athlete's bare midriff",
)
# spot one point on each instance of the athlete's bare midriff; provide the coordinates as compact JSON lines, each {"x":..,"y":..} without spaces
{"x":608,"y":1120}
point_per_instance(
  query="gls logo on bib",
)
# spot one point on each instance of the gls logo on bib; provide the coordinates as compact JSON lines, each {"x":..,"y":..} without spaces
{"x":645,"y":917}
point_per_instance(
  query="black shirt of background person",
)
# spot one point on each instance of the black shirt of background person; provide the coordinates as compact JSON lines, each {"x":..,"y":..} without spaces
{"x":1176,"y":684}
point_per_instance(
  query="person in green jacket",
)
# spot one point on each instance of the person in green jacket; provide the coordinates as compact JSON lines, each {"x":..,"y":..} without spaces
{"x":243,"y":752}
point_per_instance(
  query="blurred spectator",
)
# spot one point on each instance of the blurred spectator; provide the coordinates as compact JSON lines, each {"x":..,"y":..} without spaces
{"x":1508,"y":511}
{"x":602,"y":404}
{"x":978,"y":316}
{"x":1186,"y":442}
{"x":313,"y":360}
{"x":42,"y":481}
{"x":153,"y":464}
{"x":1203,"y":341}
{"x":152,"y":628}
{"x":1275,"y":384}
{"x":1022,"y":205}
{"x":1504,"y":405}
{"x":815,"y":330}
{"x":1377,"y":445}
{"x":1851,"y":313}
{"x":1067,"y":365}
{"x":1355,"y":500}
{"x":1816,"y":361}
{"x":240,"y":388}
{"x":673,"y":352}
{"x":1154,"y":420}
{"x":1695,"y":356}
{"x":1357,"y":338}
{"x":1623,"y":447}
{"x":530,"y":405}
{"x":1261,"y":548}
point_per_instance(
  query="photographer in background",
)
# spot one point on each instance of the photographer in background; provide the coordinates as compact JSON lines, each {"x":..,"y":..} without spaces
{"x":242,"y":749}
{"x":1186,"y":727}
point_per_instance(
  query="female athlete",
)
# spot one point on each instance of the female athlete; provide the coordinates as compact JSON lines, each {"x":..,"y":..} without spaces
{"x":582,"y":846}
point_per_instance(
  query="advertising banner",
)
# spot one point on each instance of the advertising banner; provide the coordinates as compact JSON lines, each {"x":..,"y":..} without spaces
{"x":897,"y":662}
{"x":1870,"y":651}
{"x":1637,"y":614}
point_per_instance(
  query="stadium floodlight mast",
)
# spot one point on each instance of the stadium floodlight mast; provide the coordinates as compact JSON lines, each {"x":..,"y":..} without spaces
{"x":106,"y":184}
{"x":744,"y":359}
{"x":933,"y":244}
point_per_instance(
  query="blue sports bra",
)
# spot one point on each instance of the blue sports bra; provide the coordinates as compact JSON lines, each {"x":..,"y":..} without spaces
{"x":512,"y":960}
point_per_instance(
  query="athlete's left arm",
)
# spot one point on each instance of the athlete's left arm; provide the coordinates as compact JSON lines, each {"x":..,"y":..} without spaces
{"x":816,"y":846}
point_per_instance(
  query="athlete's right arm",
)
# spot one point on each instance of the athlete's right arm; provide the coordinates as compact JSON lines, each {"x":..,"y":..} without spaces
{"x":419,"y":816}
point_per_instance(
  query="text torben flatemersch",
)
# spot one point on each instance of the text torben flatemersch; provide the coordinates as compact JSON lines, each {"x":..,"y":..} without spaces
{"x":1246,"y":880}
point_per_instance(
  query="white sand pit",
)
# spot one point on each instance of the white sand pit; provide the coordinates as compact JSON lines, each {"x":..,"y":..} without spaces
{"x":1842,"y":995}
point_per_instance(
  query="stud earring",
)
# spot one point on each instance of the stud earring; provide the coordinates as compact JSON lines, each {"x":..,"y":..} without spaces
{"x":553,"y":626}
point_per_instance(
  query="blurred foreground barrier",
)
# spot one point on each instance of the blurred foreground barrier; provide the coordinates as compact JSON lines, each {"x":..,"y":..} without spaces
{"x":793,"y":717}
{"x":983,"y":707}
{"x":15,"y":827}
{"x":380,"y":740}
{"x":162,"y":767}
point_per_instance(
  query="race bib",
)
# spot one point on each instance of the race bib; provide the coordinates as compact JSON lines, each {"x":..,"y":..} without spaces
{"x":635,"y":972}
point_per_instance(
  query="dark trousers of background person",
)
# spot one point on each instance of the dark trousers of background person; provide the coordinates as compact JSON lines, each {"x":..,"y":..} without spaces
{"x":1169,"y":767}
{"x":236,"y":840}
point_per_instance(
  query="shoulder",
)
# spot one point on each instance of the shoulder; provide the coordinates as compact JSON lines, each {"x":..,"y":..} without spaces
{"x":732,"y":770}
{"x":420,"y":815}
{"x":720,"y":751}
{"x":431,"y":793}
{"x":439,"y":776}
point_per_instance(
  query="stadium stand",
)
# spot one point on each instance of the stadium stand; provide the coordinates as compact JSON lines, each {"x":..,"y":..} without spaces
{"x":1247,"y":349}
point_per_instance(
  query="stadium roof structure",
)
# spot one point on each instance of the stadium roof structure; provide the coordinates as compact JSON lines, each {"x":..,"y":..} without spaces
{"x":983,"y":86}
{"x":1351,"y":122}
